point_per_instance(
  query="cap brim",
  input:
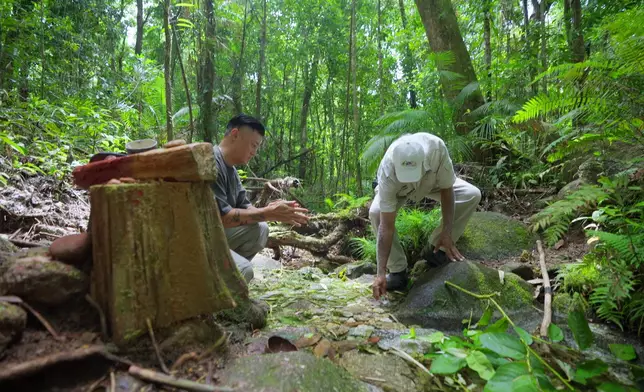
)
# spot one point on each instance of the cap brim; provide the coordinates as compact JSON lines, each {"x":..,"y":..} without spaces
{"x":407,"y":174}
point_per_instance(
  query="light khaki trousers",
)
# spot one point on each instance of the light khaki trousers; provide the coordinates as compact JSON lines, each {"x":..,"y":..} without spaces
{"x":466,"y":198}
{"x":244,"y":243}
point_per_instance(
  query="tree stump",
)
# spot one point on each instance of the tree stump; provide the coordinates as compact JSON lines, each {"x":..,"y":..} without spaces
{"x":159,"y":252}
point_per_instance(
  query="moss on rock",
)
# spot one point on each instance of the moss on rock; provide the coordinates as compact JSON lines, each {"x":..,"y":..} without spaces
{"x":13,"y":320}
{"x":491,"y":235}
{"x":290,"y":371}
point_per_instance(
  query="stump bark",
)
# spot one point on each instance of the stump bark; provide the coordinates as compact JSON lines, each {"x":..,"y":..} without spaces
{"x":159,"y":252}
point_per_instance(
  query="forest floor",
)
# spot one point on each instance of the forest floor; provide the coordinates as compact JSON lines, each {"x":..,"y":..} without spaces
{"x":313,"y":310}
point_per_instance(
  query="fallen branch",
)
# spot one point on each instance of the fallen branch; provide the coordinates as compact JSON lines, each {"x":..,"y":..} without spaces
{"x":183,"y":359}
{"x":547,"y":302}
{"x":27,"y":244}
{"x":316,"y":245}
{"x":157,"y":350}
{"x":409,"y":358}
{"x":164,"y":379}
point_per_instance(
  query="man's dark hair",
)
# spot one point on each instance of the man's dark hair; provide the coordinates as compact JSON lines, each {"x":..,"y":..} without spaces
{"x":244,"y":119}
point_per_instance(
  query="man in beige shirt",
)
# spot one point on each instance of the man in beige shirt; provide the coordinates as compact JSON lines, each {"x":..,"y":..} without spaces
{"x":414,"y":167}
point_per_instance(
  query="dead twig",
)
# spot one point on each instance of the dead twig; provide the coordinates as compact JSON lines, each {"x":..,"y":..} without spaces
{"x":409,"y":358}
{"x":104,"y":334}
{"x":157,"y":350}
{"x":95,"y":384}
{"x":17,"y":300}
{"x":164,"y":379}
{"x":222,"y":341}
{"x":112,"y":382}
{"x":547,"y":302}
{"x":27,"y":244}
{"x":183,"y":359}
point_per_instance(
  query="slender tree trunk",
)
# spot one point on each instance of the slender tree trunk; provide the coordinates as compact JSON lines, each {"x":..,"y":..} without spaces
{"x":207,"y":73}
{"x":177,"y":46}
{"x":577,"y":42}
{"x":238,"y":73}
{"x":350,"y":70}
{"x":408,"y":59}
{"x":544,"y":42}
{"x":354,"y":103}
{"x":488,"y":46}
{"x":381,"y":78}
{"x":441,"y":27}
{"x":528,"y":46}
{"x":310,"y":77}
{"x":262,"y":59}
{"x":567,"y":25}
{"x":166,"y":67}
{"x":138,"y":46}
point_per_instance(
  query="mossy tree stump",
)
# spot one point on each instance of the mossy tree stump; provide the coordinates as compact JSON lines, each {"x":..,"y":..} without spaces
{"x":159,"y":248}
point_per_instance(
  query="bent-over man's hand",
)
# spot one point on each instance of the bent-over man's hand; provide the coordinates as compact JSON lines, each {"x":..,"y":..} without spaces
{"x":379,"y":286}
{"x":288,"y":212}
{"x":445,"y":242}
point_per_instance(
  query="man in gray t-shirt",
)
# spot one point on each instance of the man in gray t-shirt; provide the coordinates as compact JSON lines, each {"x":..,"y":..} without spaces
{"x":245,"y":226}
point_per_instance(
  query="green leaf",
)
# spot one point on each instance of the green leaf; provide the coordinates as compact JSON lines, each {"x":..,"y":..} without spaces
{"x":478,"y":362}
{"x":580,"y":329}
{"x":436,"y":337}
{"x":525,"y":383}
{"x":486,"y":317}
{"x":501,"y":325}
{"x":447,"y":364}
{"x":410,"y":335}
{"x":504,"y":345}
{"x":555,"y":333}
{"x":590,"y":369}
{"x":625,"y":352}
{"x":524,"y":335}
{"x":614,"y":387}
{"x":505,"y":376}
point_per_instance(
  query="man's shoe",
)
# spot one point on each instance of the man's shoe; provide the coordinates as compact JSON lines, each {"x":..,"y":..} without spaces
{"x":397,"y":280}
{"x":438,"y":259}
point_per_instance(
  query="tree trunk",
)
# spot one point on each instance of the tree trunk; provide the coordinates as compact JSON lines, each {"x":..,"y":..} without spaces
{"x":488,"y":46}
{"x":443,"y":33}
{"x":345,"y":129}
{"x":380,"y":66}
{"x":138,"y":46}
{"x":262,"y":60}
{"x":544,"y":42}
{"x":577,"y":42}
{"x":567,"y":24}
{"x":355,"y":124}
{"x":309,"y":86}
{"x":238,"y":73}
{"x":528,"y":46}
{"x":408,"y":59}
{"x":166,"y":68}
{"x":159,"y":253}
{"x":191,"y":127}
{"x":207,"y":74}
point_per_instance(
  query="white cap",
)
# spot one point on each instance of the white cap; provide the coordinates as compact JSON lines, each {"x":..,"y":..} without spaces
{"x":408,"y":156}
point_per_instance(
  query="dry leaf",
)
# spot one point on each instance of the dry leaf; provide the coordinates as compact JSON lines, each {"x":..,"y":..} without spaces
{"x":307,"y":341}
{"x":374,"y":339}
{"x":559,"y":244}
{"x":322,"y":349}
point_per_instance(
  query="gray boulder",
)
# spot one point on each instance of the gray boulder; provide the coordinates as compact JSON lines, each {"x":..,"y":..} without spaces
{"x":357,"y":269}
{"x":492,"y":235}
{"x":13,"y":320}
{"x":41,"y":280}
{"x":432,"y":304}
{"x":288,"y":371}
{"x":387,"y":371}
{"x":524,"y":270}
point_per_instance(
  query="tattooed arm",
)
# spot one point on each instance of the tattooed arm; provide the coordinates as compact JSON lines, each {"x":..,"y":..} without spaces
{"x":243,"y":216}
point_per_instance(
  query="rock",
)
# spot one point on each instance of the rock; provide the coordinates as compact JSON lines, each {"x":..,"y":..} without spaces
{"x":290,"y":371}
{"x":523,"y":270}
{"x":432,"y":304}
{"x":361,"y":331}
{"x":393,"y":339}
{"x":250,"y":313}
{"x":387,"y":371}
{"x":263,"y":262}
{"x":191,"y":334}
{"x":570,"y":188}
{"x":6,"y":245}
{"x":493,"y":236}
{"x":357,"y":269}
{"x":75,"y":249}
{"x":40,"y":280}
{"x":13,"y":320}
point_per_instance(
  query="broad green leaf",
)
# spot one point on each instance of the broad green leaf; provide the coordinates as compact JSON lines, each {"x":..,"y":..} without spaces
{"x":555,"y":333}
{"x":624,"y":352}
{"x":447,"y":364}
{"x":410,"y":335}
{"x":478,"y":362}
{"x":580,"y":329}
{"x":505,"y":376}
{"x":504,"y":345}
{"x":525,"y":383}
{"x":524,"y":335}
{"x":614,"y":387}
{"x":590,"y":369}
{"x":486,"y":317}
{"x":457,"y":352}
{"x":500,"y":325}
{"x":436,"y":337}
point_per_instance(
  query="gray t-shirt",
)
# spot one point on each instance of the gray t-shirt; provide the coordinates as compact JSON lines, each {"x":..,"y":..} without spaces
{"x":229,"y":191}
